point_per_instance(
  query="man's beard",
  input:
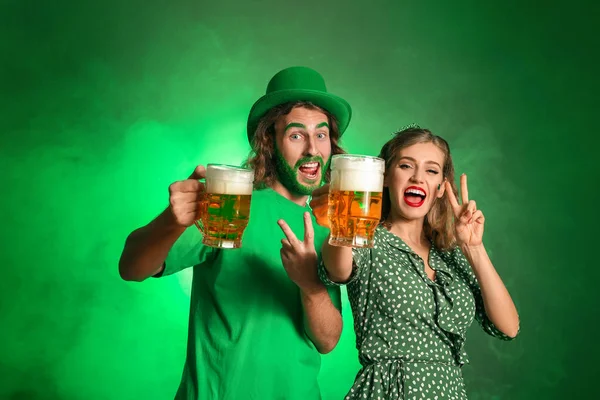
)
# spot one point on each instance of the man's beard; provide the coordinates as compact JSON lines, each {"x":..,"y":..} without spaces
{"x":288,"y":175}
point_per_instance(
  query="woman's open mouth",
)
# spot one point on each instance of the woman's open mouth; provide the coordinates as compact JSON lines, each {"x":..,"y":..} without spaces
{"x":414,"y":196}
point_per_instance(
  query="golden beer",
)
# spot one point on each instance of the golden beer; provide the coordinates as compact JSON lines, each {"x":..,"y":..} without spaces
{"x":355,"y":201}
{"x":225,"y":206}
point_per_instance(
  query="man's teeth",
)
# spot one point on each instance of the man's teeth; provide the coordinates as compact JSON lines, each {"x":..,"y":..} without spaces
{"x":310,"y":165}
{"x":415,"y":192}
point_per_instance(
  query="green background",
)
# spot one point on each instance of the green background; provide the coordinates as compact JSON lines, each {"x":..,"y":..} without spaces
{"x":104,"y":104}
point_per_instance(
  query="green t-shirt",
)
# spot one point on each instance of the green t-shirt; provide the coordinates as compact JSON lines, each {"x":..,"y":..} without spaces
{"x":246,"y":331}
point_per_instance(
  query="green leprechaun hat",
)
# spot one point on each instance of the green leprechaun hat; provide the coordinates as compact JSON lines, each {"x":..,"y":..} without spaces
{"x":299,"y":84}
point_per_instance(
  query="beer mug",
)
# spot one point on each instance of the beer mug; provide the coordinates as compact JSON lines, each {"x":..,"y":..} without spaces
{"x":225,"y":205}
{"x":355,"y":201}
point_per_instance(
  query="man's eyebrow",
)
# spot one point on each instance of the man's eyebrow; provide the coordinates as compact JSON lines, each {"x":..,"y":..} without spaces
{"x":294,"y":125}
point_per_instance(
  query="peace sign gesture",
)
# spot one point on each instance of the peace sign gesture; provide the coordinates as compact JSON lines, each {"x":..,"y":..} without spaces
{"x":468,"y":219}
{"x":299,"y":258}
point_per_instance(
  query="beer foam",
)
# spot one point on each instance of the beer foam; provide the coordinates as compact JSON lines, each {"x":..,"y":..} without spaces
{"x":357,"y":162}
{"x":357,"y":173}
{"x":357,"y":181}
{"x":227,"y":179}
{"x":218,"y":186}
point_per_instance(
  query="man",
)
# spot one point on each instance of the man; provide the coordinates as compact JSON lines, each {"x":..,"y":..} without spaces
{"x":256,"y":327}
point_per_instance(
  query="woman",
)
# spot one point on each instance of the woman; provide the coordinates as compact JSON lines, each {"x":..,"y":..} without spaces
{"x":415,"y":293}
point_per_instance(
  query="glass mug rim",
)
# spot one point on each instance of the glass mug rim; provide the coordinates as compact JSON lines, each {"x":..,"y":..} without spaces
{"x":229,"y":173}
{"x":228,"y":167}
{"x":373,"y":159}
{"x":357,"y":162}
{"x":358,"y":156}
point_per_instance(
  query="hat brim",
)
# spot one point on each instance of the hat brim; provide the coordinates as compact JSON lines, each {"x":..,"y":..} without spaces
{"x":330,"y":102}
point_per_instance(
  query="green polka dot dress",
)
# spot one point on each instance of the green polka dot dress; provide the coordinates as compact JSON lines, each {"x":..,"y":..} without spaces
{"x":410,"y":330}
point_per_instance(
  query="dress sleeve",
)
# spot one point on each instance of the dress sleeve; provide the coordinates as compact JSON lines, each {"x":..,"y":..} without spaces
{"x":466,"y":273}
{"x":360,"y":258}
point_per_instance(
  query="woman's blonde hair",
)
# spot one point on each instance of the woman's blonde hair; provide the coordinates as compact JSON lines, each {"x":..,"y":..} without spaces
{"x":439,"y":221}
